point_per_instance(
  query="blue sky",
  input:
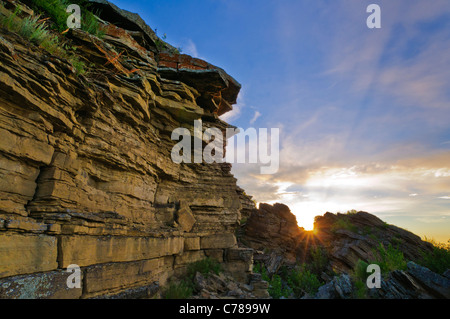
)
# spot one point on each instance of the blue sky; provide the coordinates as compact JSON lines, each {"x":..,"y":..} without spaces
{"x":364,"y":114}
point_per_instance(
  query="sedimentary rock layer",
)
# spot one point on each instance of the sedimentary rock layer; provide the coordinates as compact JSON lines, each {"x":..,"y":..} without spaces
{"x":86,"y":175}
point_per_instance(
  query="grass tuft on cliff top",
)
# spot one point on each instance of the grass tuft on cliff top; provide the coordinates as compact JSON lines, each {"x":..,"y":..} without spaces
{"x":35,"y":30}
{"x":56,"y":10}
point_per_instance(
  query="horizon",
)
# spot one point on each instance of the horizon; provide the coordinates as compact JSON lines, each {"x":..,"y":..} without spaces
{"x":363,"y":113}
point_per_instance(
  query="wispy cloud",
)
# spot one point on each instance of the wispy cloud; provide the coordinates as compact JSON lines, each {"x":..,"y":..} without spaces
{"x":364,"y":128}
{"x":255,"y":117}
{"x":190,"y":48}
{"x":234,"y":114}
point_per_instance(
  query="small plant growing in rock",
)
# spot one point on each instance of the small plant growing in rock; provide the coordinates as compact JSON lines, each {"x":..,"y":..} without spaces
{"x":343,"y":223}
{"x":359,"y":276}
{"x":389,"y":259}
{"x":319,"y":260}
{"x":35,"y":30}
{"x":205,"y":267}
{"x":302,"y":281}
{"x":437,"y":260}
{"x":184,"y":289}
{"x":56,"y":11}
{"x":178,"y":290}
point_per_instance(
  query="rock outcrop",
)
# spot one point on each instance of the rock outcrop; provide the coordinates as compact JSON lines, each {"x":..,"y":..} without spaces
{"x":273,"y":229}
{"x":416,"y":282}
{"x":224,"y":287}
{"x":87,"y":180}
{"x":352,"y":237}
{"x":86,"y":175}
{"x":333,"y":250}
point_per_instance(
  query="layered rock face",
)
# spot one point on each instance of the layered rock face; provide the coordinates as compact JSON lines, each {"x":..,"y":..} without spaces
{"x":86,"y":175}
{"x":274,"y":228}
{"x":352,"y":237}
{"x":346,"y":238}
{"x":333,"y":250}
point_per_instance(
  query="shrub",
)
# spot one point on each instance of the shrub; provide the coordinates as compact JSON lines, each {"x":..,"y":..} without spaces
{"x":389,"y":259}
{"x":178,"y":290}
{"x":360,"y":271}
{"x":437,"y":260}
{"x":360,"y":289}
{"x":278,"y":288}
{"x":205,"y":266}
{"x":260,"y":269}
{"x":360,"y":275}
{"x":303,"y":281}
{"x":319,"y":260}
{"x":343,"y":223}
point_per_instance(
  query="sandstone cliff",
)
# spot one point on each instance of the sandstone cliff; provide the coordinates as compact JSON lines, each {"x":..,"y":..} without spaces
{"x":87,"y":179}
{"x":86,"y":175}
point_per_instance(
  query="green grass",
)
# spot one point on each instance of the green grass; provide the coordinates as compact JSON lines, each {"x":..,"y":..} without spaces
{"x":184,"y":289}
{"x":437,"y":260}
{"x":296,"y":281}
{"x":34,"y":31}
{"x":31,"y":28}
{"x":359,"y":277}
{"x":37,"y":32}
{"x":319,"y":260}
{"x":178,"y":290}
{"x":205,"y":266}
{"x":302,"y":281}
{"x":344,"y":223}
{"x":389,"y":259}
{"x":56,"y":10}
{"x":360,"y":271}
{"x":361,"y":289}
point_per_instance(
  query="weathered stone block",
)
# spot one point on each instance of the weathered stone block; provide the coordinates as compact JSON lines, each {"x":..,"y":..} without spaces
{"x":48,"y":285}
{"x":26,"y":147}
{"x":115,"y":276}
{"x":23,"y":254}
{"x":216,"y":254}
{"x":90,"y":250}
{"x":226,"y":240}
{"x":185,"y":218}
{"x":238,"y":270}
{"x":192,"y":243}
{"x":29,"y":225}
{"x":189,"y":257}
{"x":240,"y":254}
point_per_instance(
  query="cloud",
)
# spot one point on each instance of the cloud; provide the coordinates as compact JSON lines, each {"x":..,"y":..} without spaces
{"x":362,"y":127}
{"x":235,"y":113}
{"x":431,"y":220}
{"x":255,"y":117}
{"x":402,"y":60}
{"x":191,"y":49}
